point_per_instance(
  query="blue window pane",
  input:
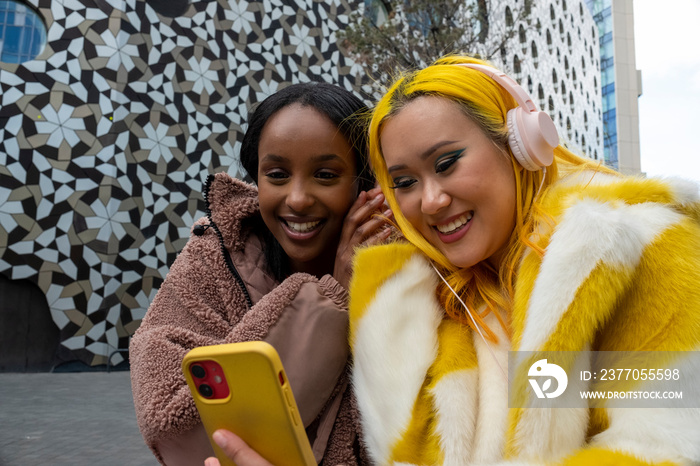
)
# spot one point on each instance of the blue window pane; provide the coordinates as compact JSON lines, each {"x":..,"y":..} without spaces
{"x":11,"y":40}
{"x":22,"y":32}
{"x":38,"y":40}
{"x":609,"y":89}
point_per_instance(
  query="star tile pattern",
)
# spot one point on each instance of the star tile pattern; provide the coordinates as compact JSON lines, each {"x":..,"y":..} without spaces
{"x":107,"y":137}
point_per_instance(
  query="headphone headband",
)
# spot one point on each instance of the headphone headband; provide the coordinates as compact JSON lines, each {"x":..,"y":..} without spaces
{"x":532,"y":135}
{"x":506,"y":82}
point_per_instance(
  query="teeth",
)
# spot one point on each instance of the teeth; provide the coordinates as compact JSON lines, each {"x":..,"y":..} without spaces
{"x":303,"y":227}
{"x":452,"y":226}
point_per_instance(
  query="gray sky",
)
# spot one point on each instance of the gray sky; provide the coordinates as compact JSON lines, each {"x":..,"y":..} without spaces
{"x":667,"y":42}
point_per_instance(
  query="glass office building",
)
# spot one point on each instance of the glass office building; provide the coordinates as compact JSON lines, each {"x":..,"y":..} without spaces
{"x":620,"y":83}
{"x":602,"y":14}
{"x":22,"y":33}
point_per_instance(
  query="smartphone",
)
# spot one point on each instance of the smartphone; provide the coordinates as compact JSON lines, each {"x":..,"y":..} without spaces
{"x":242,"y":387}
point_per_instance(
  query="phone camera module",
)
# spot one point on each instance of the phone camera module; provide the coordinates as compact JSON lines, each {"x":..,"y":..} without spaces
{"x":198,"y":371}
{"x":206,"y":390}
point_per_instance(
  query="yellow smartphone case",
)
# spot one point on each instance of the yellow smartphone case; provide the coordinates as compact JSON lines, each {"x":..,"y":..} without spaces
{"x":242,"y":387}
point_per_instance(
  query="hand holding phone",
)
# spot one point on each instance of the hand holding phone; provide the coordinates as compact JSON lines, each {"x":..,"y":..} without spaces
{"x":236,"y":450}
{"x":242,"y":387}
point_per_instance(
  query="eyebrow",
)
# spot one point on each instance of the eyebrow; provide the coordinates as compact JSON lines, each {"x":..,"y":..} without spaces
{"x":315,"y":158}
{"x":272,"y":158}
{"x":326,"y":158}
{"x":422,"y":156}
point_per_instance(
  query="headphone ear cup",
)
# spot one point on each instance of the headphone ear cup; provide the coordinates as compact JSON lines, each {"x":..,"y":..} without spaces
{"x":515,"y":141}
{"x":532,"y":138}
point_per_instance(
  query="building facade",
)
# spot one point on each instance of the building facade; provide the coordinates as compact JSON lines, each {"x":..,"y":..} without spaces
{"x":108,"y":134}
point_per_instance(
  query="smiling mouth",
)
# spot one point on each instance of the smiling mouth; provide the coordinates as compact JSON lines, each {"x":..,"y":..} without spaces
{"x":302,"y":227}
{"x":455,"y":225}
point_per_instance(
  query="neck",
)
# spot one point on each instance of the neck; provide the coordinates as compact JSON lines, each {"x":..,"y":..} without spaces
{"x":318,"y":268}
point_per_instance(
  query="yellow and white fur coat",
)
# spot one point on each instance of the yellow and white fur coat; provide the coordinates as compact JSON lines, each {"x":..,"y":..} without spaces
{"x":621,"y":272}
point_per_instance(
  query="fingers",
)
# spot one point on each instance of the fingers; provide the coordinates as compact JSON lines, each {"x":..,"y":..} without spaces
{"x":377,"y":238}
{"x":374,"y":191}
{"x":359,"y":202}
{"x":381,"y":230}
{"x":374,"y":196}
{"x":364,"y":212}
{"x":365,"y":205}
{"x":372,"y":226}
{"x":237,"y":450}
{"x":363,"y":225}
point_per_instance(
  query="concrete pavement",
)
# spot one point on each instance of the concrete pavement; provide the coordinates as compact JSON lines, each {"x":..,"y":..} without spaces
{"x":75,"y":418}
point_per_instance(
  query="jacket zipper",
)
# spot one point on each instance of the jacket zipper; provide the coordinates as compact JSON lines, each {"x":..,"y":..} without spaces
{"x":227,"y":257}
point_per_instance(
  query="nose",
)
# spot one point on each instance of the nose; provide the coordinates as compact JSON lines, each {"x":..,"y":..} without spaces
{"x":299,"y":197}
{"x":434,"y":198}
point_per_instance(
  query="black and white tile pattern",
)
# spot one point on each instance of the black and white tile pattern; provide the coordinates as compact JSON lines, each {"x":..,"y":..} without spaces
{"x":107,"y":137}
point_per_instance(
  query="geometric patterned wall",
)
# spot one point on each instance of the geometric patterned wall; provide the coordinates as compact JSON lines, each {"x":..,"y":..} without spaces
{"x":107,"y":136}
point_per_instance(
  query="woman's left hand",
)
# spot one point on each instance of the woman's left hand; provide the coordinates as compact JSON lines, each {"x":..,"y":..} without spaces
{"x":365,"y":224}
{"x":236,"y":449}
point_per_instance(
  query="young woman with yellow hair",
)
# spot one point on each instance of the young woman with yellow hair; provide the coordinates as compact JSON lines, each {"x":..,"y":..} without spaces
{"x":515,"y":245}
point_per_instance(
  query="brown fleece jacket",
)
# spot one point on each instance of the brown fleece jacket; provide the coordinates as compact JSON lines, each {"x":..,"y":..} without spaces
{"x":200,"y":303}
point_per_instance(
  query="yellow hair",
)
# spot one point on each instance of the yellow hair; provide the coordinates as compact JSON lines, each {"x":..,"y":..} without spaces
{"x":487,"y":103}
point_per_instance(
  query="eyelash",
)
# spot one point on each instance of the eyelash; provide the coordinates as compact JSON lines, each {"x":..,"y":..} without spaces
{"x":276,"y":175}
{"x":323,"y":176}
{"x":442,"y":165}
{"x":402,"y":184}
{"x":326,"y":175}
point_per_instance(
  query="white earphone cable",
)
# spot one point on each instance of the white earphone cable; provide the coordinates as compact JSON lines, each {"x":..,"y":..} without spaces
{"x":544,"y":174}
{"x":476,"y":326}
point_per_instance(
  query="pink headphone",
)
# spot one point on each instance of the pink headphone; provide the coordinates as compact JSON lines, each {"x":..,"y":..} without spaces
{"x":532,"y":135}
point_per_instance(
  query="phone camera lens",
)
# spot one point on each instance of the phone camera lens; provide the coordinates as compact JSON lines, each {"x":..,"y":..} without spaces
{"x":206,"y":390}
{"x":198,"y":371}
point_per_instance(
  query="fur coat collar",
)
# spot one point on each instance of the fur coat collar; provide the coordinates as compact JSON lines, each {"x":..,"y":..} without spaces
{"x":621,"y":272}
